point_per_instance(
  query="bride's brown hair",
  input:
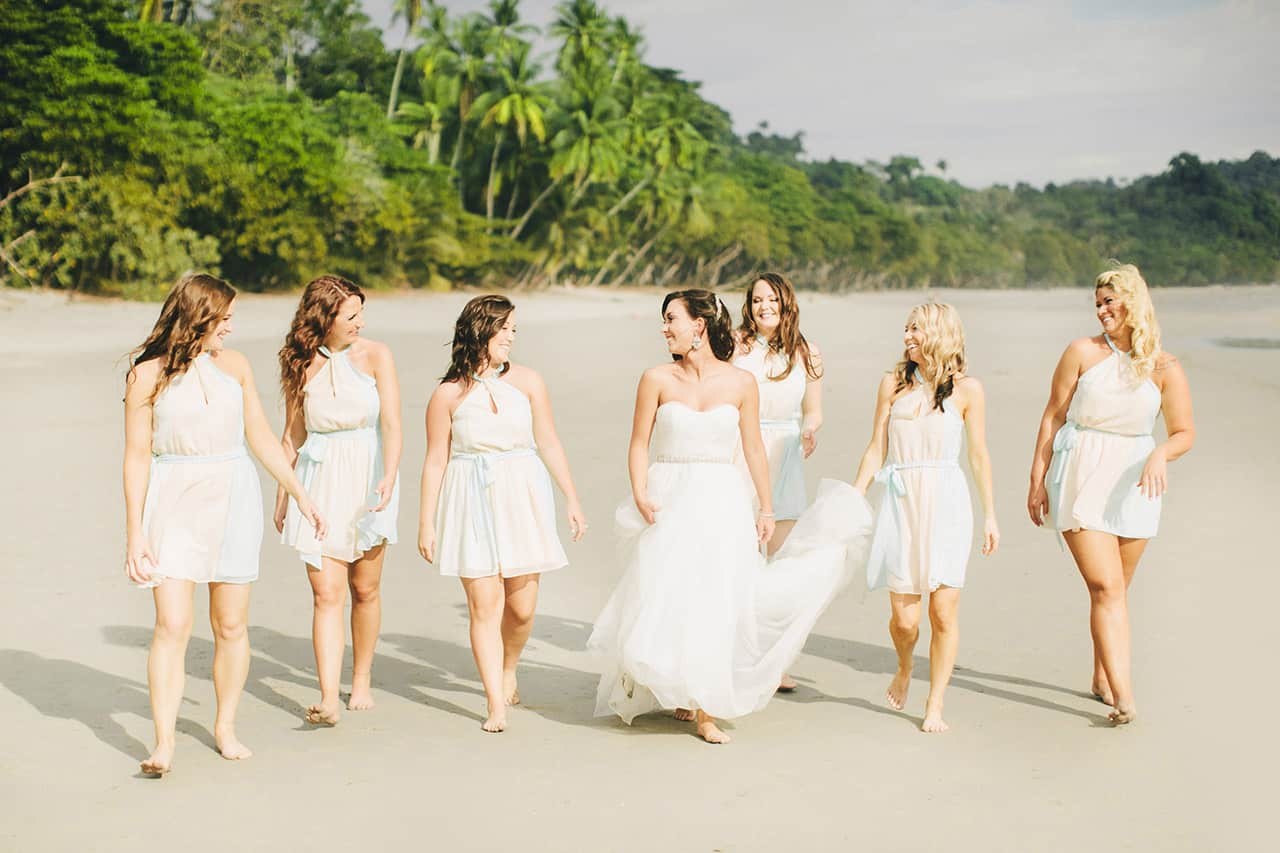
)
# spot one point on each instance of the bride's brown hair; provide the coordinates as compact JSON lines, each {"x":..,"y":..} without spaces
{"x":317,"y":309}
{"x":195,"y":304}
{"x":788,"y":341}
{"x":706,"y":305}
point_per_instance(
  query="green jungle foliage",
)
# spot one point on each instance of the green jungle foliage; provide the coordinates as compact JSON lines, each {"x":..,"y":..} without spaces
{"x":272,"y":140}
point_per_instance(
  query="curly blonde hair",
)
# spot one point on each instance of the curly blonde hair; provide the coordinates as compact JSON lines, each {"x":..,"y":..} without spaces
{"x":942,"y":352}
{"x":1131,"y":289}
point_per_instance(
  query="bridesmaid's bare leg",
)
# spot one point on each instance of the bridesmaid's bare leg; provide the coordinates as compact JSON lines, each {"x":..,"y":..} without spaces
{"x":485,"y":605}
{"x":365,"y":581}
{"x":517,"y":621}
{"x":944,"y":605}
{"x":166,"y":668}
{"x":904,"y":629}
{"x":229,"y":617}
{"x":328,"y":637}
{"x":1097,"y":556}
{"x":1130,"y":553}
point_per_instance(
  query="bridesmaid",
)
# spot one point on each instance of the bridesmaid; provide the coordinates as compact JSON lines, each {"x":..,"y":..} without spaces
{"x":924,"y":521}
{"x":1097,"y":476}
{"x":342,"y":428}
{"x":788,"y":372}
{"x":193,"y":505}
{"x":488,"y":512}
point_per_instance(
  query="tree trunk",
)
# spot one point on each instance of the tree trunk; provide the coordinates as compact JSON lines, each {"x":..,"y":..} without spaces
{"x":720,"y":261}
{"x":515,"y":191}
{"x":604,"y":268}
{"x":639,"y":255}
{"x":457,"y":158}
{"x":395,"y":81}
{"x":537,"y":202}
{"x":631,"y":193}
{"x":493,"y":175}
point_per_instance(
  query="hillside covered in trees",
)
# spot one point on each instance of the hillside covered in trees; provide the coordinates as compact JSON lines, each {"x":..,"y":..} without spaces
{"x":271,"y":140}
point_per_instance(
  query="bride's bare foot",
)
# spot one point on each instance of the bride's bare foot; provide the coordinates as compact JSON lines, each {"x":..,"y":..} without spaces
{"x":1123,"y":716}
{"x":361,"y":698}
{"x":510,"y":688}
{"x":496,"y":722}
{"x":229,"y":746}
{"x":786,"y":684}
{"x":709,"y":731}
{"x":159,"y":761}
{"x":684,"y":715}
{"x":321,"y":714}
{"x":896,"y":695}
{"x":933,"y":722}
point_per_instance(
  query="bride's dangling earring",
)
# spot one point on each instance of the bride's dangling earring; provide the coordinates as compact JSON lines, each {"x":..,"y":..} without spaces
{"x":697,"y":342}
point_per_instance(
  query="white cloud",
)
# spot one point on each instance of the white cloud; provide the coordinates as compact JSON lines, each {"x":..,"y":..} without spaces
{"x":1002,"y":90}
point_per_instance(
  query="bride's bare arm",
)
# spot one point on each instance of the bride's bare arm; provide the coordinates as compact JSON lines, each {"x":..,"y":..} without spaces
{"x":638,"y":451}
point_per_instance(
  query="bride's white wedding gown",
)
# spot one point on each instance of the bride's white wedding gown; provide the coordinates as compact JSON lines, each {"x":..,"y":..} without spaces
{"x":700,"y":620}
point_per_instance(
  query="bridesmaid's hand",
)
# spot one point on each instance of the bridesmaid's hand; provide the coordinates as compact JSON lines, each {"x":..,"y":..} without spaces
{"x":1154,"y":481}
{"x":311,"y":514}
{"x":577,"y":521}
{"x":764,"y":528}
{"x":808,"y":442}
{"x":1038,"y":504}
{"x":648,"y":509}
{"x":385,"y":488}
{"x":427,"y":542}
{"x":282,"y":509}
{"x":136,"y":553}
{"x":990,"y":536}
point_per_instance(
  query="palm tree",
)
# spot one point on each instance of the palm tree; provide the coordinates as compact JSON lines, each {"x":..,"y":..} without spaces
{"x":410,"y":11}
{"x":512,"y":101}
{"x":585,"y":29}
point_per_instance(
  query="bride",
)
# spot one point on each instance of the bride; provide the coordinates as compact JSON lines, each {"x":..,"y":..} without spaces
{"x":700,"y":622}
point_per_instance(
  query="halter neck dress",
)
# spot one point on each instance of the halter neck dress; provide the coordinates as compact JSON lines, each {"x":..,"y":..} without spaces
{"x":340,"y":465}
{"x":496,"y":514}
{"x":780,"y":417}
{"x":1099,"y":453}
{"x":203,"y":512}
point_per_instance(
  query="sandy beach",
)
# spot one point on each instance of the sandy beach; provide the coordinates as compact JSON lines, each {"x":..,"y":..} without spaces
{"x":1030,"y":763}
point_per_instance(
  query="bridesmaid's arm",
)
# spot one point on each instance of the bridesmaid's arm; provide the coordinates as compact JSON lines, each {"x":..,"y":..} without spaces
{"x":550,"y":448}
{"x":1175,"y":403}
{"x":384,"y":373}
{"x":754,"y":454}
{"x":262,"y":441}
{"x":139,"y":384}
{"x":975,"y":423}
{"x":439,"y":424}
{"x":811,"y":404}
{"x":1065,"y":377}
{"x":878,"y":447}
{"x":292,"y":438}
{"x":638,"y":451}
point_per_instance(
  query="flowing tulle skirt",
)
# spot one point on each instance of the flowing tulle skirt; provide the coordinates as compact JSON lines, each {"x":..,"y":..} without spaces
{"x":700,"y":620}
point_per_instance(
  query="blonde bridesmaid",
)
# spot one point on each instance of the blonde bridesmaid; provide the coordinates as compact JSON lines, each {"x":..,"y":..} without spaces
{"x":193,"y":504}
{"x":342,"y":428}
{"x":488,"y":512}
{"x":925,"y":409}
{"x":1098,"y":475}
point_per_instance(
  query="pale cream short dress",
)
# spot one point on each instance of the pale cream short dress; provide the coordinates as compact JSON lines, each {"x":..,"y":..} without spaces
{"x":780,"y":416}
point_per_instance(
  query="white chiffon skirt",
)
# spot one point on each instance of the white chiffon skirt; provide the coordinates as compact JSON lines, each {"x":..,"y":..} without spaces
{"x":700,"y":620}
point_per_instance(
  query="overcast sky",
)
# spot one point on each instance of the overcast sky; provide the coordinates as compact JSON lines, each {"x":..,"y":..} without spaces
{"x":1003,"y":90}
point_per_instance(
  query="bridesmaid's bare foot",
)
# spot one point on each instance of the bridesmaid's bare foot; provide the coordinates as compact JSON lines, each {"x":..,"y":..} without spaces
{"x":1123,"y":716}
{"x":510,"y":688}
{"x":709,"y":731}
{"x":896,"y":695}
{"x":933,"y":722}
{"x":786,"y":684}
{"x":684,"y":715}
{"x":361,"y":698}
{"x":496,"y":722}
{"x":324,"y":715}
{"x":229,"y":746}
{"x":159,"y":761}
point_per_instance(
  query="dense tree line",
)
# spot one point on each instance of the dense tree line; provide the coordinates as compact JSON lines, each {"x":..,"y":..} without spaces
{"x":274,"y":139}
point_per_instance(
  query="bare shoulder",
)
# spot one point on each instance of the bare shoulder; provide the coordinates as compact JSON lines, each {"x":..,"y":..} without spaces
{"x":377,"y":352}
{"x":658,"y":375}
{"x":968,"y":385}
{"x":448,"y":392}
{"x":526,"y":379}
{"x":742,"y":342}
{"x":814,"y":352}
{"x":233,"y":363}
{"x":1083,"y":348}
{"x":142,"y":377}
{"x":1167,"y":361}
{"x":888,"y":386}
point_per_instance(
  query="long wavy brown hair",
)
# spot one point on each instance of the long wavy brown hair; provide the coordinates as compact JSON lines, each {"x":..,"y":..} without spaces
{"x":942,"y":351}
{"x":196,"y":303}
{"x":788,"y":341}
{"x":480,"y":320}
{"x":317,"y":309}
